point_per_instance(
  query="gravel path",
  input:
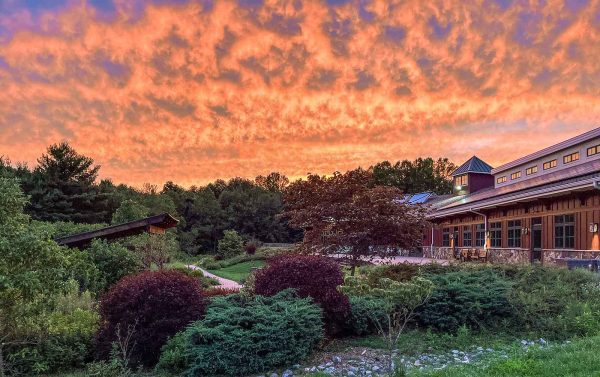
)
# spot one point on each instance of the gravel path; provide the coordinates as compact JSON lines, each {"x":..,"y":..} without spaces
{"x":223,"y":283}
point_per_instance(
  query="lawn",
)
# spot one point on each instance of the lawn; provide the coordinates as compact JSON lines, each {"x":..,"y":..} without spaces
{"x":238,"y":272}
{"x":576,"y":359}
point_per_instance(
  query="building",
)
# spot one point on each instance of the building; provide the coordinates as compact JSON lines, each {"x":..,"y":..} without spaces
{"x":544,"y":207}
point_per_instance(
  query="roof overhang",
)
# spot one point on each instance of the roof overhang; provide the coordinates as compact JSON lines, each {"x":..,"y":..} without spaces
{"x":152,"y":224}
{"x":555,"y":190}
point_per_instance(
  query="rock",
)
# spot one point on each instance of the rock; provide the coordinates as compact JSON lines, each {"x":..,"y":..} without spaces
{"x":543,"y":341}
{"x":337,"y":359}
{"x":274,"y":375}
{"x":287,"y":373}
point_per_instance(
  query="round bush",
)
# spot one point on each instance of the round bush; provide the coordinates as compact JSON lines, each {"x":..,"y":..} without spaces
{"x":365,"y":313}
{"x":241,"y":337}
{"x":476,"y":299}
{"x":311,"y":276}
{"x":151,"y":306}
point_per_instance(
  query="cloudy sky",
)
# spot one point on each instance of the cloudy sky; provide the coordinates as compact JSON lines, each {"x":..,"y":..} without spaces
{"x":195,"y":90}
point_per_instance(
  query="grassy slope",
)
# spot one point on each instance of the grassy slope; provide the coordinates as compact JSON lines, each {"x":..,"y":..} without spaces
{"x":238,"y":272}
{"x":577,"y":359}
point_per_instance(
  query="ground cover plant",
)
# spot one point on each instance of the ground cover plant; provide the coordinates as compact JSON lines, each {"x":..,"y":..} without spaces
{"x":241,"y":336}
{"x":238,"y":272}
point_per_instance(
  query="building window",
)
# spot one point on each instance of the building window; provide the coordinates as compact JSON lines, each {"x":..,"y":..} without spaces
{"x":593,"y":150}
{"x":496,"y":234}
{"x":501,"y":179}
{"x":564,"y":232}
{"x":515,"y":175}
{"x":514,"y":233}
{"x":531,"y":170}
{"x":549,"y":164}
{"x":479,"y":235}
{"x":467,"y":236}
{"x":462,"y":180}
{"x":570,"y":158}
{"x":446,"y":237}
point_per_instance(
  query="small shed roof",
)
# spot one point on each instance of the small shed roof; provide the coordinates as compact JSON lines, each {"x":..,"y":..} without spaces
{"x":473,"y":165}
{"x":149,"y":224}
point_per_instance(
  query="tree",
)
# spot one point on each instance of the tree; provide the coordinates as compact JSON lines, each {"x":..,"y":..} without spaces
{"x":231,"y":244}
{"x":34,"y":271}
{"x":129,"y":211}
{"x":343,"y":215}
{"x":65,"y":189}
{"x":274,"y":182}
{"x":398,"y":300}
{"x":420,"y":175}
{"x":154,"y":249}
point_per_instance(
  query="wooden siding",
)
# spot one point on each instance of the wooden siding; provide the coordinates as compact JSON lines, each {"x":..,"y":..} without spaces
{"x":585,"y":207}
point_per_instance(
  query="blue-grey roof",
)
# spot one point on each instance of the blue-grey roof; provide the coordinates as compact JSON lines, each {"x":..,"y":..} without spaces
{"x":473,"y":165}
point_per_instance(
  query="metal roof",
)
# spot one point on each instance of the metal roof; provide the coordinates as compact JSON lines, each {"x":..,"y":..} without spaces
{"x":162,"y":221}
{"x":473,"y":165}
{"x":576,"y":178}
{"x":552,"y":149}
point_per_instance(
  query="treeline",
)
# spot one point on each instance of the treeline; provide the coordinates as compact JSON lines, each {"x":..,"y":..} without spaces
{"x":64,"y":187}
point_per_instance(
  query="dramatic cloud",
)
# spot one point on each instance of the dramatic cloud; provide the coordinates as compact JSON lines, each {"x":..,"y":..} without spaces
{"x":195,"y":90}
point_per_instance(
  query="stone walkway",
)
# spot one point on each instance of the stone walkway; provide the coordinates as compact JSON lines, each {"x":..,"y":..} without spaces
{"x":409,"y":260}
{"x":223,"y":283}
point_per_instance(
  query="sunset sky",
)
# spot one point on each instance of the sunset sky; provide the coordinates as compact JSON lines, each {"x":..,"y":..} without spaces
{"x":191,"y":91}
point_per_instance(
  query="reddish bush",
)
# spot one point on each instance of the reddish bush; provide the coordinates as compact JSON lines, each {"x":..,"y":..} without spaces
{"x":312,"y":276}
{"x":152,"y":306}
{"x":250,"y":248}
{"x":219,"y":291}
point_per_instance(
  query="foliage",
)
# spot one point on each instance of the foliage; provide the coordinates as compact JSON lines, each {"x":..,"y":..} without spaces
{"x":152,"y":305}
{"x":154,"y":249}
{"x":129,"y":210}
{"x":205,"y":282}
{"x":219,"y":291}
{"x":239,"y":337}
{"x":362,"y":309}
{"x":65,"y":343}
{"x":230,"y":245}
{"x":420,"y":175}
{"x":398,"y":300}
{"x":311,"y":276}
{"x":343,"y":215}
{"x":274,"y":182}
{"x":113,"y":261}
{"x":65,"y":188}
{"x":251,"y":246}
{"x":478,"y":299}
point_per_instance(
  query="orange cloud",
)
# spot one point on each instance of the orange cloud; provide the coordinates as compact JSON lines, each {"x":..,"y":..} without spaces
{"x":191,"y":92}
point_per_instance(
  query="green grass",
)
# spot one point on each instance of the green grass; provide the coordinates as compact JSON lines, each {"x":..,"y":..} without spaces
{"x":577,"y":359}
{"x":238,"y":272}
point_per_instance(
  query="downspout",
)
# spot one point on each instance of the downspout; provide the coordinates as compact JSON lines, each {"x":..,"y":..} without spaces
{"x":485,"y":226}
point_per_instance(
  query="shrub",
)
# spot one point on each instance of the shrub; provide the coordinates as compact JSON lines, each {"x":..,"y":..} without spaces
{"x":219,"y":291}
{"x":113,"y":260}
{"x":239,"y":337}
{"x":478,"y":299}
{"x":230,"y":245}
{"x":362,"y":309}
{"x":250,"y":247}
{"x":311,"y":276}
{"x":152,"y":306}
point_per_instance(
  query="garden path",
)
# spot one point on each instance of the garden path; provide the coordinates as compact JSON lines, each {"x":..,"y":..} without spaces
{"x":223,"y":283}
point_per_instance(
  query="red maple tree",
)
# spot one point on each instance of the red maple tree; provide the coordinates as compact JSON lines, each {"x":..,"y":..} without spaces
{"x":346,"y":215}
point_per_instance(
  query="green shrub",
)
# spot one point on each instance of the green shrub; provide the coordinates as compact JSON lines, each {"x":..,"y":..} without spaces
{"x":230,"y":245}
{"x":477,"y":299}
{"x":362,"y":310}
{"x":195,"y":273}
{"x":240,"y":336}
{"x":113,"y":260}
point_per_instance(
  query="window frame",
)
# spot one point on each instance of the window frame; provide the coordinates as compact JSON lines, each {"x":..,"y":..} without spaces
{"x":572,"y":157}
{"x":514,"y":233}
{"x":496,"y":234}
{"x":595,"y":148}
{"x":501,"y":180}
{"x":462,"y":180}
{"x":446,"y":237}
{"x":531,"y":170}
{"x":467,"y":241}
{"x":565,"y":227}
{"x":480,"y":235}
{"x":550,"y":164}
{"x":515,"y":175}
